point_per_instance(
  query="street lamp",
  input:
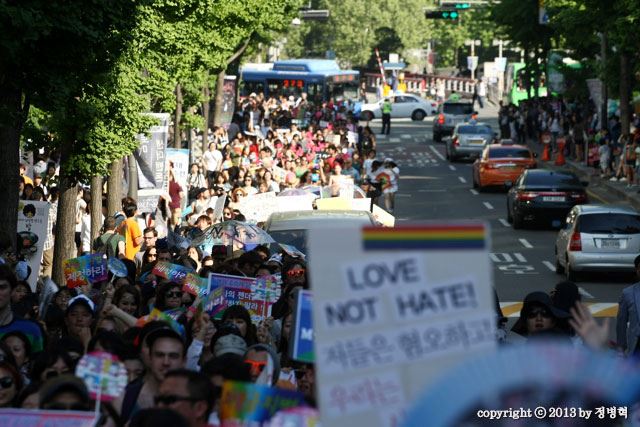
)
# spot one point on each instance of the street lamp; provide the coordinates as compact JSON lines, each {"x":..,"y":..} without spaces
{"x":472,"y":61}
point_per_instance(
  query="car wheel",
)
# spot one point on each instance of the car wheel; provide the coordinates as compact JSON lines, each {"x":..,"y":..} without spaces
{"x":518,"y":222}
{"x":418,"y":115}
{"x":559,"y":267}
{"x":367,"y":116}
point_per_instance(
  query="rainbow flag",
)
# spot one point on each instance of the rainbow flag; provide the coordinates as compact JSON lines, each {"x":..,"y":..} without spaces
{"x":451,"y":236}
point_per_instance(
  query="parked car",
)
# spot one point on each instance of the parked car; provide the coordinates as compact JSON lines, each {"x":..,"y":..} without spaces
{"x":501,"y":163}
{"x":468,"y":140}
{"x":450,"y":114}
{"x":404,"y":106}
{"x":544,"y":195}
{"x":290,"y":227}
{"x":599,"y":238}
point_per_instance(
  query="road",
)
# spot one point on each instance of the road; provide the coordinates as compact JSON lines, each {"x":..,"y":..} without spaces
{"x":431,"y":188}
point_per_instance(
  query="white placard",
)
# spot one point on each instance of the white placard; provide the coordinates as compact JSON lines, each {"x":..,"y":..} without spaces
{"x":258,"y":207}
{"x":396,"y":318}
{"x":33,"y":220}
{"x":294,"y":203}
{"x":361,"y":204}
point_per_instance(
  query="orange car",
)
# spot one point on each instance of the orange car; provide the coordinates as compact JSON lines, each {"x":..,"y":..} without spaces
{"x":501,"y":163}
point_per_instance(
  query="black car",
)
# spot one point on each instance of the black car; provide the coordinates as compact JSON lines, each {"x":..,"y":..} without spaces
{"x":544,"y":195}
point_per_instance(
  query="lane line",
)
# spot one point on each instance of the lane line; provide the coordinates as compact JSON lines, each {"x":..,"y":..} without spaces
{"x":394,"y":139}
{"x":436,"y":152}
{"x":549,"y":265}
{"x":504,"y":222}
{"x":488,"y":205}
{"x":526,"y":244}
{"x":452,"y":167}
{"x":462,"y":180}
{"x":520,"y":257}
{"x":435,"y":190}
{"x":474,"y":192}
{"x":403,"y":195}
{"x":406,"y":136}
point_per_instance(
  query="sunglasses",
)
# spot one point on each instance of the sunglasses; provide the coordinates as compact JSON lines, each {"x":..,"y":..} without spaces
{"x":539,"y":311}
{"x":176,"y":294}
{"x":255,"y":366}
{"x":170,"y":399}
{"x":6,"y":382}
{"x":296,"y":272}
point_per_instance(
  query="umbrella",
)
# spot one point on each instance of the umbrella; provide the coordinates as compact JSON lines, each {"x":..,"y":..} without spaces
{"x":359,"y":193}
{"x":229,"y":233}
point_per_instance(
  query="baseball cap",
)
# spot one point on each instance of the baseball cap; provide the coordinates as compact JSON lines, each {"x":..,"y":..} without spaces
{"x":84,"y":300}
{"x":230,"y":343}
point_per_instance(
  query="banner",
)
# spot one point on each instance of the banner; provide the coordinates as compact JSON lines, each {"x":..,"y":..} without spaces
{"x":42,"y":418}
{"x":393,"y":313}
{"x":238,"y":291}
{"x":173,"y":272}
{"x":228,"y":101}
{"x":294,"y":203}
{"x":301,"y":346}
{"x":85,"y":270}
{"x":258,"y":207}
{"x":252,"y":402}
{"x":151,"y":164}
{"x":33,"y":219}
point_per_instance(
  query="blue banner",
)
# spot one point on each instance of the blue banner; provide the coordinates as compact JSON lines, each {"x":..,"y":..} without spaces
{"x":301,"y":346}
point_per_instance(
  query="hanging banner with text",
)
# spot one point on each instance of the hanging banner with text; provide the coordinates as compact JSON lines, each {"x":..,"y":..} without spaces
{"x":151,"y":163}
{"x":33,"y":220}
{"x":395,"y":310}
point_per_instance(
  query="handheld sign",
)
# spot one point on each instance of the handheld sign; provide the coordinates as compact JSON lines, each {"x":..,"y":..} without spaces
{"x":85,"y":270}
{"x":38,"y":417}
{"x":391,"y":311}
{"x":117,"y":267}
{"x":254,"y":402}
{"x":103,"y":374}
{"x":301,"y":346}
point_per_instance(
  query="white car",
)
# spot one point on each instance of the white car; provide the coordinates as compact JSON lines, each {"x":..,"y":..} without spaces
{"x":404,"y":106}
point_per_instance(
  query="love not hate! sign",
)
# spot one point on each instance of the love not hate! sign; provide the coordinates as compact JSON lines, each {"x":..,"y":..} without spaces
{"x":85,"y":270}
{"x":394,"y":312}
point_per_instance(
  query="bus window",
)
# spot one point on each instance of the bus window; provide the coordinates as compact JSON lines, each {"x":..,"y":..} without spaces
{"x":247,"y":88}
{"x":343,"y":90}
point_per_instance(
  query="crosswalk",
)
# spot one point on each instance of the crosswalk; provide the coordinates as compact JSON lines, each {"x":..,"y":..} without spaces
{"x":406,"y":158}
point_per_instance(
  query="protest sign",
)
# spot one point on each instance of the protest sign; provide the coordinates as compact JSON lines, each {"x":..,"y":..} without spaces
{"x":393,"y":312}
{"x":169,"y":316}
{"x":33,"y":218}
{"x":173,"y":272}
{"x":279,"y":174}
{"x":85,"y":270}
{"x":151,"y":163}
{"x":238,"y":291}
{"x":195,"y":285}
{"x":258,"y":207}
{"x":346,"y":187}
{"x":42,"y":418}
{"x":383,"y":217}
{"x":296,"y":417}
{"x":301,"y":346}
{"x":361,"y":204}
{"x":254,"y":402}
{"x":117,"y":267}
{"x":294,"y":203}
{"x":104,"y":375}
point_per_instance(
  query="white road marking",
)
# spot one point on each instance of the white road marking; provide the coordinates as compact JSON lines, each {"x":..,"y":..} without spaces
{"x":452,"y":167}
{"x":584,"y":293}
{"x":462,"y":180}
{"x":435,"y":190}
{"x":436,"y":152}
{"x":500,"y":257}
{"x":488,"y":205}
{"x":402,"y":195}
{"x":520,"y":257}
{"x":394,"y":139}
{"x":526,"y":244}
{"x":549,"y":265}
{"x":406,"y":136}
{"x":504,"y":222}
{"x":474,"y":192}
{"x":381,"y":136}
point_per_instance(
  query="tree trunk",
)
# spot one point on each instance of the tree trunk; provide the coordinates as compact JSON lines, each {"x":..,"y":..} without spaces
{"x":96,"y":207}
{"x":177,"y":137}
{"x":114,"y":187}
{"x":65,"y":246}
{"x":625,"y":92}
{"x":12,"y":117}
{"x":133,"y":176}
{"x":219,"y":99}
{"x":206,"y":107}
{"x":605,"y":94}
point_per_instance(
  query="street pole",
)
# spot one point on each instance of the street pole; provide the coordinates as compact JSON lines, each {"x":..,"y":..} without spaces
{"x":473,"y":53}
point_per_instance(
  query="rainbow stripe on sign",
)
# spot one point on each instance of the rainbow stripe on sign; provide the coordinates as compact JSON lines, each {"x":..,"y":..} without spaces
{"x":425,"y":237}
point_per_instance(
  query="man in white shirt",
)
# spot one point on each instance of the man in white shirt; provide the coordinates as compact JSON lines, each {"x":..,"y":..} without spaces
{"x":212,"y":161}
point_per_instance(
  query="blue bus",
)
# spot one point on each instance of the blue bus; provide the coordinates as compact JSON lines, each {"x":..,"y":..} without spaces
{"x":321,"y":79}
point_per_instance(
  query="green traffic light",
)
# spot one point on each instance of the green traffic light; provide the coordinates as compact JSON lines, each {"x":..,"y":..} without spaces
{"x":453,"y":15}
{"x":463,"y":5}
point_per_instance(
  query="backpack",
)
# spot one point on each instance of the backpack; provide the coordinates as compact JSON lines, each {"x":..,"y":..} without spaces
{"x":104,"y":249}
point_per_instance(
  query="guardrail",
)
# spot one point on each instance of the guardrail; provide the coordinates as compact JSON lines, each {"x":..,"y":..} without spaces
{"x":420,"y":83}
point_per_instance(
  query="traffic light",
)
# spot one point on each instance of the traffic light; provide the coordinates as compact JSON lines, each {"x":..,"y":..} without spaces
{"x":314,"y":15}
{"x":442,"y":14}
{"x":462,"y":5}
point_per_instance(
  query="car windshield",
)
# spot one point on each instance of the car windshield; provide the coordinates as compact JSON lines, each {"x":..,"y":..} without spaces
{"x":519,"y":153}
{"x":296,"y":238}
{"x":457,"y":108}
{"x":474,"y":130}
{"x":551,"y":179}
{"x":609,"y":223}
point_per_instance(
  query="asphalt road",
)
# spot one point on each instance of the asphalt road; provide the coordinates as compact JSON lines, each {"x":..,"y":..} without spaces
{"x":431,"y":188}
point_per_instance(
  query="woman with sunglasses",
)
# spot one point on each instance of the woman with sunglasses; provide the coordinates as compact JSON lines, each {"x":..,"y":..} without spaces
{"x":10,"y":384}
{"x":168,"y":296}
{"x":294,"y":276}
{"x":236,"y":196}
{"x":247,"y":185}
{"x":540,"y":318}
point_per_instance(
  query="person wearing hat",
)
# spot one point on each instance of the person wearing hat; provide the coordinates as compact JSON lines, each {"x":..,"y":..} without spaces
{"x":65,"y":393}
{"x":539,"y":317}
{"x":165,"y":352}
{"x":79,"y":317}
{"x":628,"y":318}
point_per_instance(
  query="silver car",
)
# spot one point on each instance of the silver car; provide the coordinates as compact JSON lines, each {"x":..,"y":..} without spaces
{"x":598,"y":238}
{"x":468,"y":140}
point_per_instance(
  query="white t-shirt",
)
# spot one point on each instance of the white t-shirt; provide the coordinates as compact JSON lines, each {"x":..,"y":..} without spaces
{"x":212,"y":160}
